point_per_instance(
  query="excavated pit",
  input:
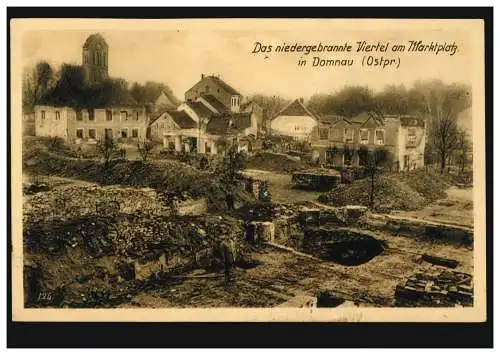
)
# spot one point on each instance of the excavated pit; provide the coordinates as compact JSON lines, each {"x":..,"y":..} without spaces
{"x":326,"y":300}
{"x":342,"y":246}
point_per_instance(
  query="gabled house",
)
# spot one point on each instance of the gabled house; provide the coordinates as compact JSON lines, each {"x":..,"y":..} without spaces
{"x":175,"y":129}
{"x":239,"y":130}
{"x":295,"y":121}
{"x":216,"y":92}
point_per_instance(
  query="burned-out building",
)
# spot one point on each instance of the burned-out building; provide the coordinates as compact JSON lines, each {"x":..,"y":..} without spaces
{"x":77,"y":126}
{"x":340,"y":141}
{"x":123,"y":119}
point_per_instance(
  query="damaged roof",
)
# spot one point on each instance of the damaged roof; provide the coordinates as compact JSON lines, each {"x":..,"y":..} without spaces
{"x":229,"y":124}
{"x":332,"y":119}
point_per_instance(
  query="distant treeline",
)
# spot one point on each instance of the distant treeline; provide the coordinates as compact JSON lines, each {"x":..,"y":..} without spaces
{"x":42,"y":85}
{"x":428,"y":98}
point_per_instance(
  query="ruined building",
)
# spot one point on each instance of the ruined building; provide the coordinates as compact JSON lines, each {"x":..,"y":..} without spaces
{"x":341,"y":141}
{"x":125,"y":120}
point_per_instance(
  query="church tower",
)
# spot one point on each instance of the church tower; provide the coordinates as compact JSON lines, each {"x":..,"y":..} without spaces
{"x":95,"y":59}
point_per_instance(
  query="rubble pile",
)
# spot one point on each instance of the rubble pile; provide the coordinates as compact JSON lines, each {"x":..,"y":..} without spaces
{"x":107,"y":260}
{"x":274,"y":162}
{"x":317,"y":179}
{"x":138,"y":236}
{"x":390,"y":194}
{"x":438,"y":288}
{"x":69,"y":201}
{"x":259,"y":211}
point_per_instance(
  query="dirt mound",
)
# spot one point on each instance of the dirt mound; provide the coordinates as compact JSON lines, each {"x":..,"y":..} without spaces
{"x":275,"y":162}
{"x":390,"y":193}
{"x":430,"y":184}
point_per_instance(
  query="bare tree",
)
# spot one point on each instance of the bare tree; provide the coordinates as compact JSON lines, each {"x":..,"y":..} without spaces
{"x":441,"y":104}
{"x":373,"y":161}
{"x":463,"y":149}
{"x":145,"y":149}
{"x":445,"y":139}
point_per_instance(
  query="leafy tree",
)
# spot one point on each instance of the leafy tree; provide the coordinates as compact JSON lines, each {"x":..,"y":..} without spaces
{"x":348,"y":102}
{"x":393,"y":100}
{"x":69,"y":89}
{"x":37,"y":81}
{"x":150,"y":91}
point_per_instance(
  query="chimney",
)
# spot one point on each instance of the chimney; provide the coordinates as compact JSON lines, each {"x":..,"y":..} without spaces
{"x":202,"y":76}
{"x":301,"y":100}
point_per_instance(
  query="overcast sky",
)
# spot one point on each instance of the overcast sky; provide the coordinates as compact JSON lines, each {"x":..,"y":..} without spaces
{"x":178,"y":56}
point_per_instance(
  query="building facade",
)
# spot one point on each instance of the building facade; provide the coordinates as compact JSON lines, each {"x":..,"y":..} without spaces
{"x":90,"y":125}
{"x":342,"y":142}
{"x":295,"y":121}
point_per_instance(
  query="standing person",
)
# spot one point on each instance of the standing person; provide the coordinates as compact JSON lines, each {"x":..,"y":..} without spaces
{"x":230,"y":200}
{"x":228,"y":258}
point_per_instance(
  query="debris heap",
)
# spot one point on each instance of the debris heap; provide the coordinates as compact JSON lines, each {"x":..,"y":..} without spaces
{"x":440,"y":288}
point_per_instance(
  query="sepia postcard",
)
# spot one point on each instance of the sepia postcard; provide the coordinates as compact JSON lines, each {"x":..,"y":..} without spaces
{"x":258,"y":170}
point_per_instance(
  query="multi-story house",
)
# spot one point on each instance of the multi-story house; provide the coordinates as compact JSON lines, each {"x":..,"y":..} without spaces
{"x":214,"y":117}
{"x":216,"y":94}
{"x":77,"y":126}
{"x":342,"y":142}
